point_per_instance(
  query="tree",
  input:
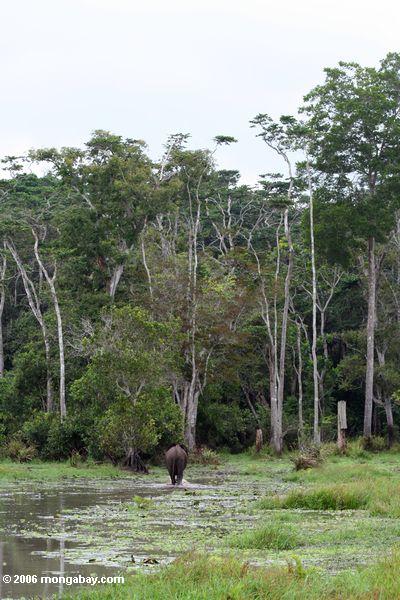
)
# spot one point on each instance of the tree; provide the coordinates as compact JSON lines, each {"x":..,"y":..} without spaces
{"x":278,"y":136}
{"x":354,"y":118}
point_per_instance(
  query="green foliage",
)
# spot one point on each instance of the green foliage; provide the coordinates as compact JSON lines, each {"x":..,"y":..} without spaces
{"x":126,"y":425}
{"x":151,"y":420}
{"x":161,"y":268}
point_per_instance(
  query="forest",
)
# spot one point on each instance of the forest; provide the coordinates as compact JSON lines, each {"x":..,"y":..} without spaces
{"x":147,"y":302}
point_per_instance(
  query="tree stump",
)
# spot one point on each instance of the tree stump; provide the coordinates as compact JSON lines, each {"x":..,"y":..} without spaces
{"x":342,"y":425}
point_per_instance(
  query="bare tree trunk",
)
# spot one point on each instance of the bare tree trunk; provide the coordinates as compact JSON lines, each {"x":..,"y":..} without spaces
{"x":34,"y":303}
{"x":259,"y":439}
{"x":299,"y":371}
{"x":60,"y":334}
{"x":369,"y":377}
{"x":191,"y":419}
{"x":146,"y":267}
{"x":276,"y":418}
{"x":317,"y":432}
{"x":382,"y":399}
{"x":115,"y":279}
{"x":389,"y":421}
{"x":2,"y":302}
{"x":342,"y":425}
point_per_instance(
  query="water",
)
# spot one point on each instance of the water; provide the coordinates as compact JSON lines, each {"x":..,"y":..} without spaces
{"x":90,"y":528}
{"x":29,"y":545}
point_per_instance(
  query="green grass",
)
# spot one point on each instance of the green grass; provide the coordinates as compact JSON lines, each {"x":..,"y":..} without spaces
{"x":210,"y":578}
{"x":336,"y":497}
{"x":274,"y":536}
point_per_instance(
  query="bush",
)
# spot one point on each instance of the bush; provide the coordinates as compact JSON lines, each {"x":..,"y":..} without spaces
{"x":35,"y":432}
{"x":17,"y":450}
{"x":204,"y":456}
{"x":375,"y":444}
{"x":273,"y":536}
{"x":309,"y":458}
{"x":66,"y":437}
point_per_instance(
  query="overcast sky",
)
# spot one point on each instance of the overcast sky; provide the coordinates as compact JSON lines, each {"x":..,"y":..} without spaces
{"x":150,"y":68}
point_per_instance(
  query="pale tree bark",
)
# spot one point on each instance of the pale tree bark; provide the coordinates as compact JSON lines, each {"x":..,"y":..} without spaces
{"x":316,"y":428}
{"x":285,"y":317}
{"x":51,"y":283}
{"x":34,"y":303}
{"x":144,"y":259}
{"x":383,"y":399}
{"x":369,"y":376}
{"x":115,"y":279}
{"x":3,"y":268}
{"x":299,"y":373}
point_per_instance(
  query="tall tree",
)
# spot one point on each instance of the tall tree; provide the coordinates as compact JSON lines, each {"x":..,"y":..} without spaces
{"x":355,"y":122}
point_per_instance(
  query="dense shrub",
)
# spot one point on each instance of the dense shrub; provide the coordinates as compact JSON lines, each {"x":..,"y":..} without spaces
{"x":17,"y":450}
{"x":204,"y":456}
{"x":149,"y":422}
{"x":225,"y":425}
{"x":66,"y":437}
{"x":35,"y":431}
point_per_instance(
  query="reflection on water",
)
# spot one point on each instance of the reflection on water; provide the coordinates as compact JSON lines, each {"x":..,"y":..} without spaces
{"x":74,"y":529}
{"x":43,"y":554}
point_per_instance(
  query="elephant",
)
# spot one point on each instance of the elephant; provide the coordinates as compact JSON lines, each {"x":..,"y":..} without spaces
{"x":176,"y":460}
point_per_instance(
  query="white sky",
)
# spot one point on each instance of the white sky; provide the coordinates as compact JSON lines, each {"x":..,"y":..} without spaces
{"x":145,"y":69}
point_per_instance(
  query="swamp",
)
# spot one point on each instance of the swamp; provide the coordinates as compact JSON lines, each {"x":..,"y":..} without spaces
{"x":251,"y":512}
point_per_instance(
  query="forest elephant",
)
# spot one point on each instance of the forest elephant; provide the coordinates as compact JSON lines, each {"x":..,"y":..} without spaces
{"x":176,"y":461}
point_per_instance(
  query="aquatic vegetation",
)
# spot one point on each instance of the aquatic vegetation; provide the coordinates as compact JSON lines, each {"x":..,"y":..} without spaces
{"x":114,"y":520}
{"x":142,"y":502}
{"x":274,"y":536}
{"x":336,"y":497}
{"x":200,"y":577}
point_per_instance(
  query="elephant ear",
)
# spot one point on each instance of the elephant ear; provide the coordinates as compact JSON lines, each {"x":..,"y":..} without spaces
{"x":184,"y":448}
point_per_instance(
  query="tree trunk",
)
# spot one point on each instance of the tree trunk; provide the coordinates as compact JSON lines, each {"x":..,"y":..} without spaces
{"x":259,"y":439}
{"x":342,"y":426}
{"x":115,"y":279}
{"x":60,"y":334}
{"x":369,"y":377}
{"x":134,"y":462}
{"x":278,"y":435}
{"x":191,"y":419}
{"x":389,"y":421}
{"x":2,"y":302}
{"x":300,"y":385}
{"x":276,"y":418}
{"x":317,"y":432}
{"x":49,"y":378}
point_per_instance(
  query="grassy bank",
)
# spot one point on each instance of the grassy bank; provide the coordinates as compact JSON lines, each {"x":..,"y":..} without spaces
{"x":209,"y":578}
